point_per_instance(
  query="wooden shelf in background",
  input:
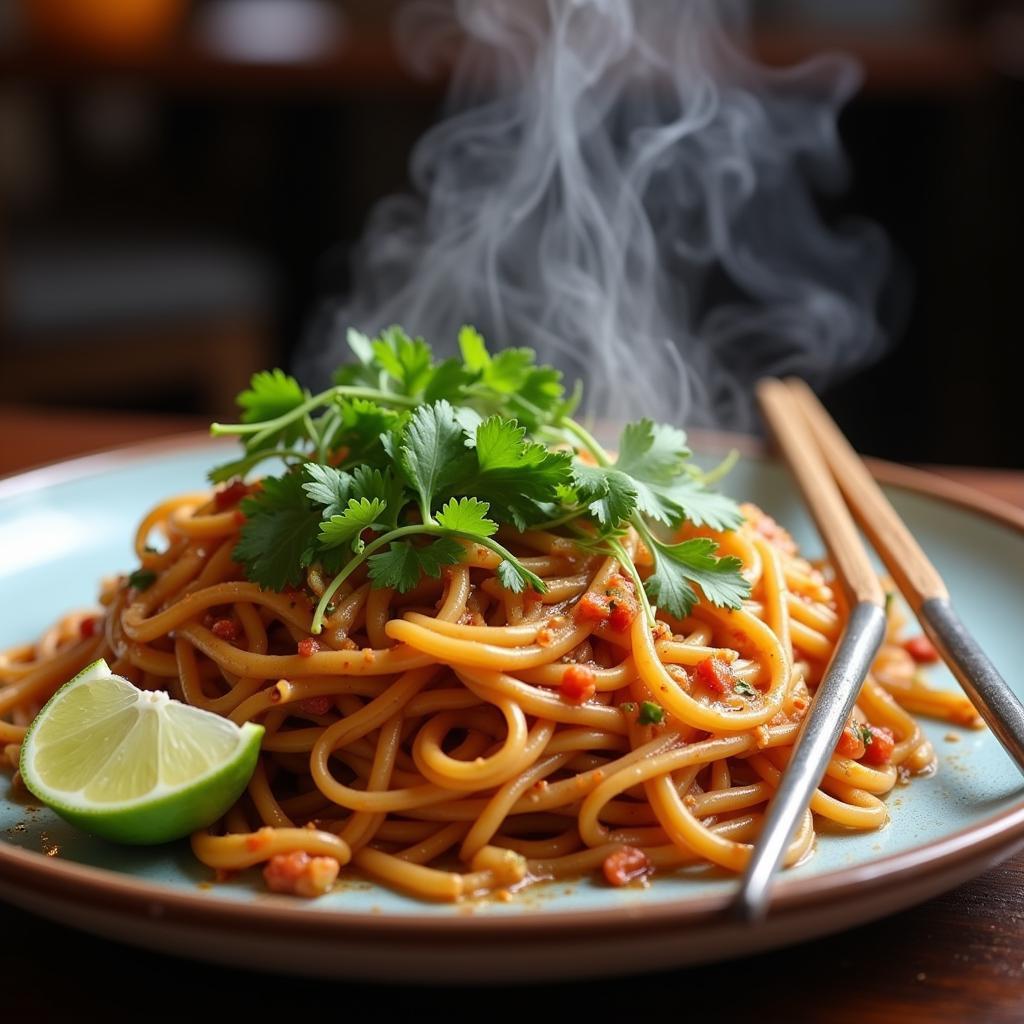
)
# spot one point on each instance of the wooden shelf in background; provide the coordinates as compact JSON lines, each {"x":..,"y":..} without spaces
{"x":936,"y":61}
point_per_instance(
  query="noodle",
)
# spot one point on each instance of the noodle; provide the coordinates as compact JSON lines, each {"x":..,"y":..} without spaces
{"x":434,"y":739}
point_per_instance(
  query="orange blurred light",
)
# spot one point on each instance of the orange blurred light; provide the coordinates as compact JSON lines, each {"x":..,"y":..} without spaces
{"x":109,"y":26}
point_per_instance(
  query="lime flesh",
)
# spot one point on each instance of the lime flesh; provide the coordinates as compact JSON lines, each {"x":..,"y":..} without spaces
{"x":132,"y":765}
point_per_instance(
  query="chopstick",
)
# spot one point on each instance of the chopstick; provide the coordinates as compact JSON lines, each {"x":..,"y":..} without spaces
{"x":840,"y":686}
{"x":916,"y":577}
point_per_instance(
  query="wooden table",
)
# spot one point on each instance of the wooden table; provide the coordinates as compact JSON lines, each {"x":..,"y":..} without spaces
{"x":957,"y":958}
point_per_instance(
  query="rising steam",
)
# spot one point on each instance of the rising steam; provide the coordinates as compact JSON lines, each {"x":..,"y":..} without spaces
{"x":618,"y":185}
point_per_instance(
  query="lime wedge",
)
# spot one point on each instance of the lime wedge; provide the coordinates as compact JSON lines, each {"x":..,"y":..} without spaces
{"x":133,"y":765}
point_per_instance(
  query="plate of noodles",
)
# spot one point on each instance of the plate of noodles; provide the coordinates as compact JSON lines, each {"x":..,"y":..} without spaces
{"x":524,"y":701}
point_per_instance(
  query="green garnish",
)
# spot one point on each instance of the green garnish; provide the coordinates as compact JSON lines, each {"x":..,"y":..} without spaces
{"x":865,"y":734}
{"x":142,"y":579}
{"x":744,"y":689}
{"x":650,"y":713}
{"x":404,"y":461}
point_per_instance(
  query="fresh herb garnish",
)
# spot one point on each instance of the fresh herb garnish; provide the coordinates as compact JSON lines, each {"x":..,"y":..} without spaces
{"x":405,"y":461}
{"x":142,"y":579}
{"x":744,"y":689}
{"x":650,"y":713}
{"x":867,"y":737}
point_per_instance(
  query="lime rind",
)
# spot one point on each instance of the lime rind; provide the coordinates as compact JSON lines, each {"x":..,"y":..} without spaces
{"x":144,"y":745}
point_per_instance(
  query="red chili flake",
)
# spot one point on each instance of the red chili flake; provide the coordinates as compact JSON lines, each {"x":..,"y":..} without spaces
{"x":308,"y":647}
{"x":87,"y":627}
{"x":716,"y":675}
{"x":258,"y":840}
{"x":626,"y":865}
{"x":578,"y":684}
{"x":879,"y":751}
{"x":922,"y":650}
{"x":226,"y":629}
{"x":230,"y":495}
{"x":545,"y":637}
{"x":316,"y":705}
{"x":239,"y":517}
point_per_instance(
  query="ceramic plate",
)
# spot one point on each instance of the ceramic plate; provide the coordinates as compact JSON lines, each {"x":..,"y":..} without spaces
{"x":63,"y":527}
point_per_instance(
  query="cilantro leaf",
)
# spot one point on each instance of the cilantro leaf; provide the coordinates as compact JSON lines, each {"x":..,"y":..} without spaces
{"x":449,"y":380}
{"x":327,"y":486}
{"x":515,"y":476}
{"x":467,"y":515}
{"x":359,"y":431}
{"x":510,"y":577}
{"x":278,"y":538}
{"x":680,"y":566}
{"x":652,"y":451}
{"x":653,"y":456}
{"x":511,"y":381}
{"x":473,"y":349}
{"x":432,"y":451}
{"x":273,"y":393}
{"x":402,"y":564}
{"x":609,"y":494}
{"x":656,"y":459}
{"x":358,"y":515}
{"x":362,"y":371}
{"x":701,"y":506}
{"x":383,"y":486}
{"x":406,"y":360}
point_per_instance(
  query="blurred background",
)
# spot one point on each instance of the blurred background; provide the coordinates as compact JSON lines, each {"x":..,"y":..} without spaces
{"x":181,"y":180}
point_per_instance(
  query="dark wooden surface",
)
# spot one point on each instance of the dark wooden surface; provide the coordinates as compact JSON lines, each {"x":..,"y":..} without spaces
{"x":959,"y":957}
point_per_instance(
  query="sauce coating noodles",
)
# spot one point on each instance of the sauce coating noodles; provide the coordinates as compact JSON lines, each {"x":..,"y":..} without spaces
{"x":461,"y":739}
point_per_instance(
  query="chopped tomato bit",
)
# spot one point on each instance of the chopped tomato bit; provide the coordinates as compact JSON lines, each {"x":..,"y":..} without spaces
{"x":316,"y":705}
{"x":591,"y":607}
{"x":87,"y":627}
{"x":879,"y":751}
{"x":299,"y":874}
{"x":230,"y":495}
{"x":716,"y":675}
{"x":578,"y":684}
{"x":922,"y":650}
{"x":617,"y":605}
{"x":307,"y":647}
{"x":545,"y":637}
{"x":626,"y":865}
{"x":851,"y":742}
{"x":226,"y":629}
{"x":622,"y":615}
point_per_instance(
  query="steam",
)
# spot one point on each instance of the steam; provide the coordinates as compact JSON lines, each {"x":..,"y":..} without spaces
{"x":618,"y":185}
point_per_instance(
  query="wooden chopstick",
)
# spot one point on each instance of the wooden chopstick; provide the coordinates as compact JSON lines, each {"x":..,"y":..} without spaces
{"x":916,"y":577}
{"x":853,"y":567}
{"x":911,"y":570}
{"x":840,"y":686}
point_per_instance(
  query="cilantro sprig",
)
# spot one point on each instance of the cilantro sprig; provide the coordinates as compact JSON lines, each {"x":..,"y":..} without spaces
{"x":405,"y":461}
